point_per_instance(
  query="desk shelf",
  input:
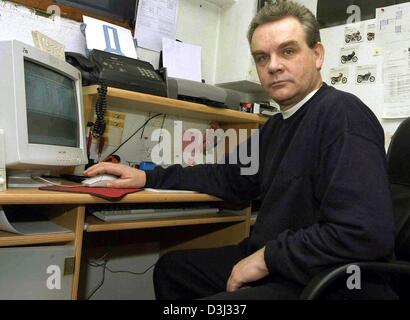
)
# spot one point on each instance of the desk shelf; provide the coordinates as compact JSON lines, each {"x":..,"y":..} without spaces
{"x":69,"y":209}
{"x":96,"y":225}
{"x":10,"y":239}
{"x":148,"y":103}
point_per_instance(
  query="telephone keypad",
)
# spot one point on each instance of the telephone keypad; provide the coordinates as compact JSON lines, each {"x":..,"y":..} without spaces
{"x":148,"y":73}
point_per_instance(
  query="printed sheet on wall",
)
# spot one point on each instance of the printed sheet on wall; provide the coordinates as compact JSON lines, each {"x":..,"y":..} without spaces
{"x":393,"y":37}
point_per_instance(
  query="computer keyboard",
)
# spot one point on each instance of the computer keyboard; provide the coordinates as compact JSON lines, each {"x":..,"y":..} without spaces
{"x":123,"y":214}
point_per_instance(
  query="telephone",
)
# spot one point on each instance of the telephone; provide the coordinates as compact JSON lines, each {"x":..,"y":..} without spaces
{"x":120,"y":72}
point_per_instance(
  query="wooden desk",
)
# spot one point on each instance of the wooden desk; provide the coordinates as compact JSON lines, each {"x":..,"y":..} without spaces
{"x":69,"y":210}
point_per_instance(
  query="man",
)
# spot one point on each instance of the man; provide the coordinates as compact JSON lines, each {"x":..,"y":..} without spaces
{"x":322,"y":181}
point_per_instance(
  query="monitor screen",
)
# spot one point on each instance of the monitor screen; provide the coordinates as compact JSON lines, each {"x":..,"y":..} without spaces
{"x":52,"y":112}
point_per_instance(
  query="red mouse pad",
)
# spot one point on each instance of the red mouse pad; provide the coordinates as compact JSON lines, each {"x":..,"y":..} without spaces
{"x":111,"y":194}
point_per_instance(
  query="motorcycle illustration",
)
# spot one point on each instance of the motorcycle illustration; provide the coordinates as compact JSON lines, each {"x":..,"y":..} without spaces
{"x":337,"y":79}
{"x":346,"y":58}
{"x":355,"y":36}
{"x":365,"y":77}
{"x":370,"y":36}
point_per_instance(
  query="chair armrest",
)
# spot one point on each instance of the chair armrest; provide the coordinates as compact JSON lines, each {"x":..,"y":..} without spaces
{"x":324,"y":279}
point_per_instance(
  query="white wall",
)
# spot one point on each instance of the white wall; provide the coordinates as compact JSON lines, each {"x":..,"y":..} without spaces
{"x":17,"y":22}
{"x":370,"y":94}
{"x":234,"y":57}
{"x":198,"y":23}
{"x":221,"y":32}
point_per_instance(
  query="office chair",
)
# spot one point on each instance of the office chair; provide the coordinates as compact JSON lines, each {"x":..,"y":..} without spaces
{"x":398,"y":157}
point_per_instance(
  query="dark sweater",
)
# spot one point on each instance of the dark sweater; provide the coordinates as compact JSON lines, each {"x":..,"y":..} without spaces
{"x":323,"y":185}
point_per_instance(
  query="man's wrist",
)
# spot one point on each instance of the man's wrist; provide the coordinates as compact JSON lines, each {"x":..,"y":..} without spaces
{"x":143,"y":178}
{"x":265,"y":266}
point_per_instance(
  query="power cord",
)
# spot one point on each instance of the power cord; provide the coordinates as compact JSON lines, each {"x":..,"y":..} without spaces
{"x":143,"y":129}
{"x":53,"y":183}
{"x":143,"y":126}
{"x":131,"y":272}
{"x":101,"y":282}
{"x":162,"y":127}
{"x":95,"y":264}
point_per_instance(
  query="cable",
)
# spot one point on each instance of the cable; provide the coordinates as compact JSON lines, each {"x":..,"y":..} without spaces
{"x":143,"y":129}
{"x":53,"y":183}
{"x":130,"y":272}
{"x":99,"y":124}
{"x":98,"y":265}
{"x":162,"y":127}
{"x":95,"y":264}
{"x":145,"y":123}
{"x":89,"y":138}
{"x":100,"y":108}
{"x":163,"y":121}
{"x":101,"y":283}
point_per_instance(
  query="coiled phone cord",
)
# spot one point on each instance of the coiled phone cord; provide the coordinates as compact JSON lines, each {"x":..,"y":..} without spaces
{"x":100,"y":108}
{"x":99,"y":124}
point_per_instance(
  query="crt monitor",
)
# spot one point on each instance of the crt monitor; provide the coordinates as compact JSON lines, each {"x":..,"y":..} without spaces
{"x":41,"y":113}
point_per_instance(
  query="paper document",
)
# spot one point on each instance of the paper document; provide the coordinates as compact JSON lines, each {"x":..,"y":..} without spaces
{"x":396,"y":79}
{"x":49,"y":45}
{"x":156,"y":19}
{"x":393,"y":24}
{"x":182,"y":60}
{"x":29,"y":227}
{"x":109,"y":37}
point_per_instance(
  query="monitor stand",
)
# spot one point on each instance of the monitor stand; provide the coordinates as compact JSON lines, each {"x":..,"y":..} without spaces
{"x":27,"y":179}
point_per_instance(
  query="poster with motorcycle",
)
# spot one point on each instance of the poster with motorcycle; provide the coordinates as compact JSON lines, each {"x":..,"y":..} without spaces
{"x":339,"y":76}
{"x":354,"y":33}
{"x":349,"y":55}
{"x":366,"y":74}
{"x":371,"y":32}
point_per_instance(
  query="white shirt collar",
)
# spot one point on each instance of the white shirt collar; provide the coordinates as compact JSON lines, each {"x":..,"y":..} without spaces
{"x":288,"y":113}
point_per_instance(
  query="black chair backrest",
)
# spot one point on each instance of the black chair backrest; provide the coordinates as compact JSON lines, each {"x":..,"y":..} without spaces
{"x":398,"y":157}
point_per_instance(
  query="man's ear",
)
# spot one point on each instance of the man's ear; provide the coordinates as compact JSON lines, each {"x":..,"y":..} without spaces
{"x":319,"y":52}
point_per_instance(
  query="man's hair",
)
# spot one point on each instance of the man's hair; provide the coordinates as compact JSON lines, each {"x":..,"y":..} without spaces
{"x":282,"y":9}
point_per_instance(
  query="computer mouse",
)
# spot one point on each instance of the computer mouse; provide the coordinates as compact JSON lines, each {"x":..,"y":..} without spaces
{"x":100,"y":180}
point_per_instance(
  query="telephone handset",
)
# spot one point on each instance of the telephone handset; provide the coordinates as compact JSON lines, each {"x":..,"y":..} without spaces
{"x":120,"y":72}
{"x":111,"y":70}
{"x":89,"y":70}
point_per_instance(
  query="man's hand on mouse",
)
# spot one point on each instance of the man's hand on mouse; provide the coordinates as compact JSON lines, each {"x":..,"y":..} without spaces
{"x":127,"y":177}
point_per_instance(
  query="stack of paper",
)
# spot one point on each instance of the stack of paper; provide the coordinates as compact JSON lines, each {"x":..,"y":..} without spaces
{"x":29,"y":227}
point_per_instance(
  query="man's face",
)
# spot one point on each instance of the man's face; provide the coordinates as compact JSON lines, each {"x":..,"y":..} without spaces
{"x":288,"y":69}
